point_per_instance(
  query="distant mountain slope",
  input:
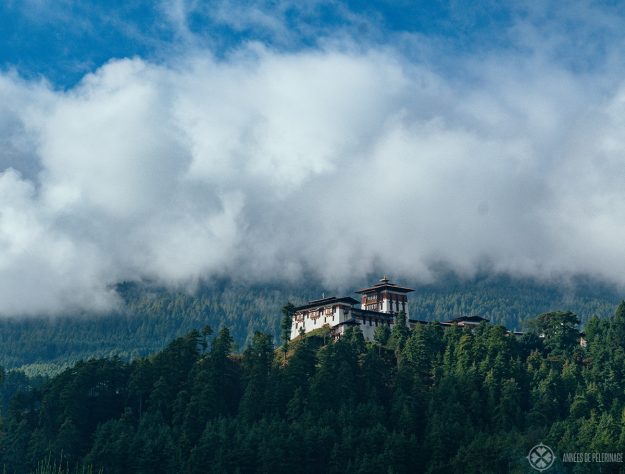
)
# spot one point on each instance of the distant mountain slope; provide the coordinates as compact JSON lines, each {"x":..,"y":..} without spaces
{"x":509,"y":301}
{"x":152,"y":317}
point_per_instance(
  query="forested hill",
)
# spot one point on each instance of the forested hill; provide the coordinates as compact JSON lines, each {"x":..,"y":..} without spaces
{"x":151,"y":317}
{"x":429,"y":401}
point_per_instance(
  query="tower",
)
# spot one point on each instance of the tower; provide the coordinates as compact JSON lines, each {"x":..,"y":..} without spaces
{"x":385,"y":297}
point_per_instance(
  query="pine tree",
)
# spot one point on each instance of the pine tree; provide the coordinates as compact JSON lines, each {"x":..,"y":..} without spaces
{"x":399,"y":333}
{"x":382,"y":334}
{"x":285,"y":326}
{"x":257,"y":360}
{"x":617,"y":326}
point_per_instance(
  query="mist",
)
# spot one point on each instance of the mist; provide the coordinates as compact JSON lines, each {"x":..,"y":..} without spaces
{"x":337,"y":161}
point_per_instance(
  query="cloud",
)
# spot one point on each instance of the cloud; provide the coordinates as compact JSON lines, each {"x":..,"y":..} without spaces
{"x":335,"y":161}
{"x":284,"y":24}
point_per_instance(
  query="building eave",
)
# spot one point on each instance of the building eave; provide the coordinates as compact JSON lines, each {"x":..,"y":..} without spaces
{"x":384,"y":286}
{"x":326,"y":302}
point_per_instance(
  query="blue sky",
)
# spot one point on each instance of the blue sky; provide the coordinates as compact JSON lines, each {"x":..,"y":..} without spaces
{"x":179,"y":141}
{"x":65,"y":39}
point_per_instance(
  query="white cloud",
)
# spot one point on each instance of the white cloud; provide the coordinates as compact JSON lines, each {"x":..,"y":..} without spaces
{"x":339,"y":161}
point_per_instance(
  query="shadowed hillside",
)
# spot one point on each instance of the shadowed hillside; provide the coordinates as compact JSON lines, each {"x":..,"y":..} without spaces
{"x":430,"y":400}
{"x":152,"y":316}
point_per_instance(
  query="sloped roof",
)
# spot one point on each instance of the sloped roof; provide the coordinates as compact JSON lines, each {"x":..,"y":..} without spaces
{"x":327,"y":301}
{"x":385,"y":284}
{"x":467,"y":319}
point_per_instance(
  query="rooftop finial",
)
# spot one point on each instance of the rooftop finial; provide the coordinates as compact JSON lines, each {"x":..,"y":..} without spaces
{"x":384,"y":279}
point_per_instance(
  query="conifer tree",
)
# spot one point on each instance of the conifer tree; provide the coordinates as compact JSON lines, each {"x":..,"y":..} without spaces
{"x":382,"y":334}
{"x":559,"y":330}
{"x":285,"y":326}
{"x":399,"y":333}
{"x":256,"y":361}
{"x":617,"y":326}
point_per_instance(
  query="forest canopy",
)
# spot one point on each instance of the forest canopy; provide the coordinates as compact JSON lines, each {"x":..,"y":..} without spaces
{"x":150,"y":317}
{"x":430,"y":400}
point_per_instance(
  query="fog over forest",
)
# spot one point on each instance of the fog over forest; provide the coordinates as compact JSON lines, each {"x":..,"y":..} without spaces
{"x":268,"y":163}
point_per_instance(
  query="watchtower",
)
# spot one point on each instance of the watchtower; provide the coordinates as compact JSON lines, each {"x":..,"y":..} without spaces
{"x":385,"y":297}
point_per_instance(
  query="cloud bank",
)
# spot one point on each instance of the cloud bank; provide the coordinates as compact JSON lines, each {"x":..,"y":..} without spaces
{"x":336,"y":162}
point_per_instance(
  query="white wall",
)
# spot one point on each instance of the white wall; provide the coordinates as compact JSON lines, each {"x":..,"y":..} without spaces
{"x":339,"y":315}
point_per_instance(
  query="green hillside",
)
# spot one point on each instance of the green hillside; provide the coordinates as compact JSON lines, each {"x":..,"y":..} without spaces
{"x":430,"y":400}
{"x":152,"y":316}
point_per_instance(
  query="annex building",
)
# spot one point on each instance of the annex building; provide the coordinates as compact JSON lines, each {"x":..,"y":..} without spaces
{"x":379,"y":305}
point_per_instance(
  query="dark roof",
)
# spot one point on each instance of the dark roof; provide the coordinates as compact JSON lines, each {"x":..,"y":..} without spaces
{"x":327,"y":301}
{"x":468,"y":319}
{"x":377,"y":314}
{"x":420,"y":321}
{"x":349,"y":322}
{"x":385,"y":284}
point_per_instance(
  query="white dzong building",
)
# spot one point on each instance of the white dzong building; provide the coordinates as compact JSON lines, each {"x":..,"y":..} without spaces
{"x":379,"y":305}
